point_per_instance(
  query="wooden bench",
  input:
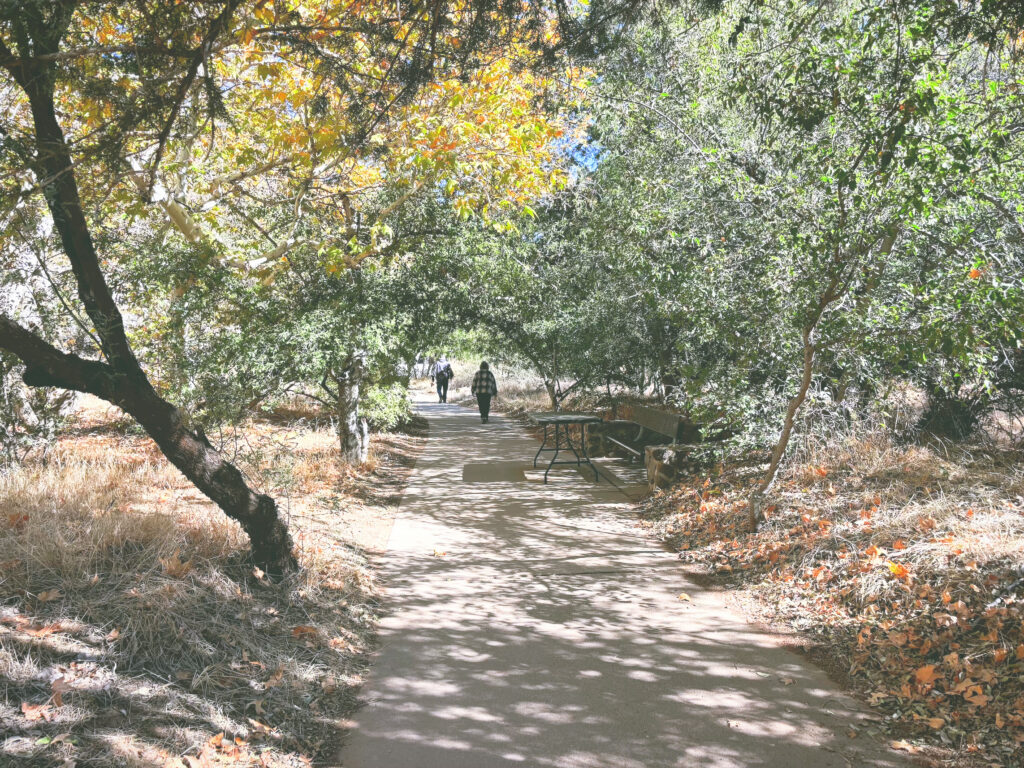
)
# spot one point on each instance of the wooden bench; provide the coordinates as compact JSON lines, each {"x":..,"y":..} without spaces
{"x":668,"y":429}
{"x":661,"y":423}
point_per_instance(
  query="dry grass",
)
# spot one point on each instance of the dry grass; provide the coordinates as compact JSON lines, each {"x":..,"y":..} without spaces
{"x":132,"y":631}
{"x":905,"y":562}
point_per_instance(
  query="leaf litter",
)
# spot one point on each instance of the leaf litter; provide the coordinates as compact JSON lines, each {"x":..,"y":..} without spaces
{"x":905,"y":565}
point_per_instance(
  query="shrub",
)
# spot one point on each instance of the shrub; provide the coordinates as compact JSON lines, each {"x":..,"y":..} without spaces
{"x":387,"y":407}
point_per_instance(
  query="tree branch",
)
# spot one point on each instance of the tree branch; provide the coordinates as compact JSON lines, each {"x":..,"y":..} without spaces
{"x":198,"y":57}
{"x":47,"y":366}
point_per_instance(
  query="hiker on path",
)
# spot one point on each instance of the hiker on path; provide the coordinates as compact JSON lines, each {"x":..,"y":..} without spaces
{"x":484,"y":387}
{"x":442,"y":374}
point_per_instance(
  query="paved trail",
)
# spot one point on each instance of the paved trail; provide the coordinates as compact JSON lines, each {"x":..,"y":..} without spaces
{"x":550,"y":633}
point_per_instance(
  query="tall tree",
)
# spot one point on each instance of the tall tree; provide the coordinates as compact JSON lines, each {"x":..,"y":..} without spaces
{"x":138,"y":88}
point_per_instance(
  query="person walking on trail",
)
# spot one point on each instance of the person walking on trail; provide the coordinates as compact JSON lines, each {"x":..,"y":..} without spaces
{"x":484,"y":387}
{"x":442,"y":374}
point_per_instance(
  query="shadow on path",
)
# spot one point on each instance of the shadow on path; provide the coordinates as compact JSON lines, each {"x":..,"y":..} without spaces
{"x":533,"y":625}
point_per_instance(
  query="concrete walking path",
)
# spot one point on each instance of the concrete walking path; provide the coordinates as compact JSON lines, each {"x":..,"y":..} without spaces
{"x":535,"y":625}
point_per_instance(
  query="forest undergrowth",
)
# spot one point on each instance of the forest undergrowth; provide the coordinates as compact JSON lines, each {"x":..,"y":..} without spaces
{"x":904,"y":561}
{"x":133,"y":630}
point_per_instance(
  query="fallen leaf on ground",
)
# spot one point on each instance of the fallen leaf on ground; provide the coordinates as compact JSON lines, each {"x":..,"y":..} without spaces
{"x":174,"y":567}
{"x":60,"y":686}
{"x":275,"y":677}
{"x":905,"y":746}
{"x":49,"y":629}
{"x":927,"y":674}
{"x":36,"y":711}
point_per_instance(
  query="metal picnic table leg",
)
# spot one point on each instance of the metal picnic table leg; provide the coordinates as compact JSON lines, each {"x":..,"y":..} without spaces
{"x":557,"y":446}
{"x":568,"y":440}
{"x":543,"y":443}
{"x":583,"y":447}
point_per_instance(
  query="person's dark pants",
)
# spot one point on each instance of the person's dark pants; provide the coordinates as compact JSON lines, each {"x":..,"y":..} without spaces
{"x":442,"y":389}
{"x":484,"y":401}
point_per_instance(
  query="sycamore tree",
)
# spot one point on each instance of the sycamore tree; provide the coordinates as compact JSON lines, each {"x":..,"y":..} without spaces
{"x":330,"y":336}
{"x":237,"y":126}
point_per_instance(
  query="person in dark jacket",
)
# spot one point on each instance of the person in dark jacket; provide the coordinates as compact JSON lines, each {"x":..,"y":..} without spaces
{"x":442,"y":374}
{"x":484,"y":387}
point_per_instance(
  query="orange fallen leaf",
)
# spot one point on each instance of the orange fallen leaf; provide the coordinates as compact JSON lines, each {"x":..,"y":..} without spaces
{"x":49,"y":629}
{"x":37,"y":711}
{"x":49,"y":595}
{"x":275,"y":678}
{"x":174,"y":567}
{"x":905,"y":746}
{"x":977,"y":699}
{"x":936,"y":722}
{"x":927,"y":674}
{"x":60,"y":686}
{"x":303,"y":630}
{"x":260,"y":728}
{"x":898,"y":570}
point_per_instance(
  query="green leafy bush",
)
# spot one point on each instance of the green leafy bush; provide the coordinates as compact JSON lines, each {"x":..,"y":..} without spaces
{"x":387,"y":407}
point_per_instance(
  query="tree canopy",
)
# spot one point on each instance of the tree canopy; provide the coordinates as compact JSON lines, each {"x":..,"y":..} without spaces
{"x":735,"y":206}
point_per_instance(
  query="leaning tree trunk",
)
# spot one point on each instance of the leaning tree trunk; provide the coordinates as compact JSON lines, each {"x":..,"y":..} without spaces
{"x":219,"y":479}
{"x":119,"y":379}
{"x":837,"y":287}
{"x":756,"y":514}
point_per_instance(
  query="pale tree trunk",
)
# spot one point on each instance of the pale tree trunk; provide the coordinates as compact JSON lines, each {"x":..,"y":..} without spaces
{"x":838,"y":287}
{"x":353,"y":430}
{"x":552,"y":393}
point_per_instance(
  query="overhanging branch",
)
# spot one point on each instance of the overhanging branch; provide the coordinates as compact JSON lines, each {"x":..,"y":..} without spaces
{"x":47,"y":366}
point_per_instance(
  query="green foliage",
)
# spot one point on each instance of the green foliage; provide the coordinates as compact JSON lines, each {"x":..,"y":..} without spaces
{"x":848,"y":170}
{"x":29,"y":418}
{"x":387,"y":407}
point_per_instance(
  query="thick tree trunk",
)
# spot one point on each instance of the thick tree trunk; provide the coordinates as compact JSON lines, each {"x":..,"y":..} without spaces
{"x":186,"y":449}
{"x":220,"y":480}
{"x":353,"y":431}
{"x":552,"y":394}
{"x":120,"y":380}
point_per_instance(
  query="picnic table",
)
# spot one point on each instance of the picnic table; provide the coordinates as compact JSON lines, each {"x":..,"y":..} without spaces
{"x":563,"y":438}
